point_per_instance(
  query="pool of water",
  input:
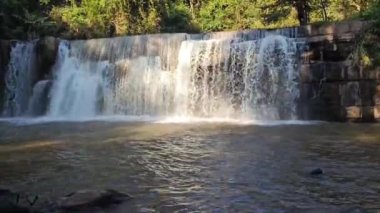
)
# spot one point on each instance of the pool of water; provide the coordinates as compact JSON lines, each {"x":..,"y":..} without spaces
{"x":198,"y":166}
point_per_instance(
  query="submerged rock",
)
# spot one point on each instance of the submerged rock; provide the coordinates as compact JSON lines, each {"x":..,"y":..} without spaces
{"x":5,"y":192}
{"x":317,"y":171}
{"x":10,"y":202}
{"x":90,"y":199}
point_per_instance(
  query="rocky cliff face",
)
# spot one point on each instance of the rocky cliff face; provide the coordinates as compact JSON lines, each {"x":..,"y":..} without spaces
{"x":334,"y":86}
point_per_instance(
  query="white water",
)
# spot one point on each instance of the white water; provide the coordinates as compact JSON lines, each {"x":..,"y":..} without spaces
{"x":19,"y":79}
{"x":24,"y":121}
{"x":229,"y":78}
{"x":144,"y":89}
{"x":77,"y":87}
{"x":273,"y":89}
{"x":222,"y":77}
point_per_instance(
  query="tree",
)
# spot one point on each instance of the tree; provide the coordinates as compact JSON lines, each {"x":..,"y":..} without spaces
{"x":23,"y":19}
{"x":324,"y":6}
{"x":105,"y":18}
{"x":229,"y":14}
{"x":302,"y":7}
{"x":303,"y":10}
{"x":34,"y":23}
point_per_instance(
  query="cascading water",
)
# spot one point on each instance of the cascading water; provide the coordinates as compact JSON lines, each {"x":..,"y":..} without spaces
{"x":229,"y":78}
{"x":203,"y":79}
{"x":19,"y":79}
{"x":77,"y":86}
{"x":271,"y":87}
{"x":219,"y":75}
{"x":146,"y":89}
{"x":129,"y":76}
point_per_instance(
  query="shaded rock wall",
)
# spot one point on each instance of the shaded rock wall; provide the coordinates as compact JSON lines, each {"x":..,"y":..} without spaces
{"x":333,"y":86}
{"x":5,"y":48}
{"x":47,"y":49}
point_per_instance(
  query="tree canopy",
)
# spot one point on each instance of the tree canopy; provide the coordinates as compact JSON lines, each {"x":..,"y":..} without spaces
{"x":102,"y":18}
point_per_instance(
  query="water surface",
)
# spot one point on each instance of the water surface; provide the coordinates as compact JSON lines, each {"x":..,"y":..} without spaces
{"x":201,"y":166}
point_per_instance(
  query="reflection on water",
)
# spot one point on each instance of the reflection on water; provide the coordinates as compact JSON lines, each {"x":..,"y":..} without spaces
{"x":198,"y":166}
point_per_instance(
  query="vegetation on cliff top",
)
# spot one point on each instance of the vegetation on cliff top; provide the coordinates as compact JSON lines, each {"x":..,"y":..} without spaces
{"x":104,"y":18}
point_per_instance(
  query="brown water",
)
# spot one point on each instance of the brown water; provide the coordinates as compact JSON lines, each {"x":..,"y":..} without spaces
{"x":208,"y":167}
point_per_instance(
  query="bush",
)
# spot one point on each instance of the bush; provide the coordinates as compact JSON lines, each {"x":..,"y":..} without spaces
{"x":178,"y":19}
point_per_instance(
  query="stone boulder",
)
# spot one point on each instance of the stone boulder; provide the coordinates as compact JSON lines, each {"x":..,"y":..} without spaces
{"x":87,"y":200}
{"x":12,"y":202}
{"x":317,"y":171}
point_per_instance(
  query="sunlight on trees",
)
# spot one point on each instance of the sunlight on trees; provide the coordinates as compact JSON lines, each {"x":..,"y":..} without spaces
{"x":103,"y":18}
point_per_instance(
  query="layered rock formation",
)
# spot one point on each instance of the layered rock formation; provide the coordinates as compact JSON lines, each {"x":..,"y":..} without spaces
{"x":333,"y":84}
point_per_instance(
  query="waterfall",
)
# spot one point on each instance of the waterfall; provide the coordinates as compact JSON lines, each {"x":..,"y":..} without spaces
{"x":231,"y":77}
{"x":126,"y":75}
{"x":242,"y":75}
{"x":77,"y":86}
{"x":276,"y":77}
{"x":146,"y":89}
{"x":203,"y":78}
{"x":19,"y":79}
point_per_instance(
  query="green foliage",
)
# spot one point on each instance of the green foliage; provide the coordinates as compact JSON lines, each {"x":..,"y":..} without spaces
{"x":89,"y":18}
{"x":369,"y":46}
{"x":23,"y":19}
{"x":178,"y":19}
{"x":34,"y":23}
{"x":213,"y":16}
{"x":245,"y":14}
{"x":104,"y":18}
{"x":99,"y":18}
{"x":373,"y":13}
{"x":367,"y":53}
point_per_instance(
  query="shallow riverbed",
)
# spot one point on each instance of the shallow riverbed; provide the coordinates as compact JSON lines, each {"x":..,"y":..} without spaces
{"x":211,"y":167}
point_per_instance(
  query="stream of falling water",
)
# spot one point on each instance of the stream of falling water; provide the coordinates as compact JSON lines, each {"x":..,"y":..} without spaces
{"x":19,"y":79}
{"x":220,"y":75}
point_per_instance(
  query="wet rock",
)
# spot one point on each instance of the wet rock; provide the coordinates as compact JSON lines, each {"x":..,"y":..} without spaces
{"x":329,"y":93}
{"x":350,"y":93}
{"x":5,"y":48}
{"x":353,"y":112}
{"x":40,"y":99}
{"x":317,"y":171}
{"x":368,"y":114}
{"x":323,"y":71}
{"x":47,"y":49}
{"x":376,"y":112}
{"x":367,"y":92}
{"x":91,"y":199}
{"x":5,"y":192}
